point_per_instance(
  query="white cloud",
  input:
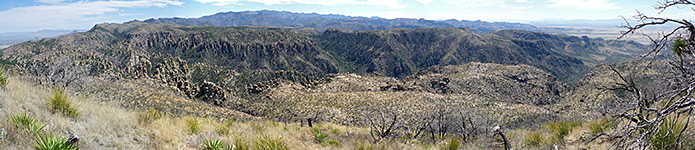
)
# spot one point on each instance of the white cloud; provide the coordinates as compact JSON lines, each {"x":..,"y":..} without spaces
{"x":521,"y":1}
{"x":70,"y":15}
{"x":477,"y":3}
{"x":583,"y":4}
{"x":386,"y":3}
{"x":425,"y":1}
{"x":50,"y":1}
{"x":515,"y":7}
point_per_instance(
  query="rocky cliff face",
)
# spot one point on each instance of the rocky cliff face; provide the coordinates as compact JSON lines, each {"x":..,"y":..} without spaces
{"x":400,"y":53}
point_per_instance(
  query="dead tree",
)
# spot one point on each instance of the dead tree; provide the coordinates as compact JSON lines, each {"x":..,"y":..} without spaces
{"x":382,"y":123}
{"x":645,"y":119}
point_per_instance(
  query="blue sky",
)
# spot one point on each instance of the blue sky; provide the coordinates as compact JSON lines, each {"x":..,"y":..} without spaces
{"x":34,"y":15}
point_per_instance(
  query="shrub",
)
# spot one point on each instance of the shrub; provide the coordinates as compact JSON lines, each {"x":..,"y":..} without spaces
{"x":193,"y":125}
{"x":3,"y":77}
{"x":27,"y":122}
{"x":59,"y":102}
{"x":52,"y":142}
{"x":667,"y":135}
{"x":149,"y":116}
{"x":215,"y":144}
{"x":533,"y":139}
{"x":453,"y":144}
{"x":270,"y":143}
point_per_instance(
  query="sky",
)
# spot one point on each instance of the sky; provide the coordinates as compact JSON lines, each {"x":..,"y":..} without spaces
{"x":35,"y":15}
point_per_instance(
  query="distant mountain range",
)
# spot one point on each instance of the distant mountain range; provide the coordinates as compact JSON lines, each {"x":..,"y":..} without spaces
{"x":323,"y":22}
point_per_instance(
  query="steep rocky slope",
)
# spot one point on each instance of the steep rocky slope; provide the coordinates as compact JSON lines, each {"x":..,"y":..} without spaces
{"x":401,"y":53}
{"x":268,"y":71}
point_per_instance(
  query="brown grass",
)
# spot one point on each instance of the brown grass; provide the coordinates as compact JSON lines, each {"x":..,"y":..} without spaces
{"x":105,"y":124}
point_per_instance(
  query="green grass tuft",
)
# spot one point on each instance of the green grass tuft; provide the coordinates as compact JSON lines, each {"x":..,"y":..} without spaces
{"x":52,"y":142}
{"x":453,"y":144}
{"x":560,"y":129}
{"x":59,"y":102}
{"x":27,"y":122}
{"x":533,"y":138}
{"x":270,"y":143}
{"x":240,"y":145}
{"x":667,"y":135}
{"x":193,"y":124}
{"x":3,"y":77}
{"x":333,"y":143}
{"x":319,"y":136}
{"x":149,"y":116}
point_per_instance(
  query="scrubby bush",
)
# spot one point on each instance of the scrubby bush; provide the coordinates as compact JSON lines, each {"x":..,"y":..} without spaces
{"x":52,"y":142}
{"x":27,"y":122}
{"x":270,"y":143}
{"x":59,"y":102}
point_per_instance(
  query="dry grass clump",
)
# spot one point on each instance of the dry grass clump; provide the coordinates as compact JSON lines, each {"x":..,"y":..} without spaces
{"x":149,"y":116}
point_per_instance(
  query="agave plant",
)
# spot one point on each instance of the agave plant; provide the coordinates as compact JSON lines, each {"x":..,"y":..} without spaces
{"x":215,"y":144}
{"x":52,"y":142}
{"x":27,"y":122}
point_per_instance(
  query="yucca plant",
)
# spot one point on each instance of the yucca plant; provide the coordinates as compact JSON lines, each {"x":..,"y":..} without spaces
{"x":27,"y":122}
{"x":215,"y":144}
{"x":59,"y":102}
{"x":52,"y":142}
